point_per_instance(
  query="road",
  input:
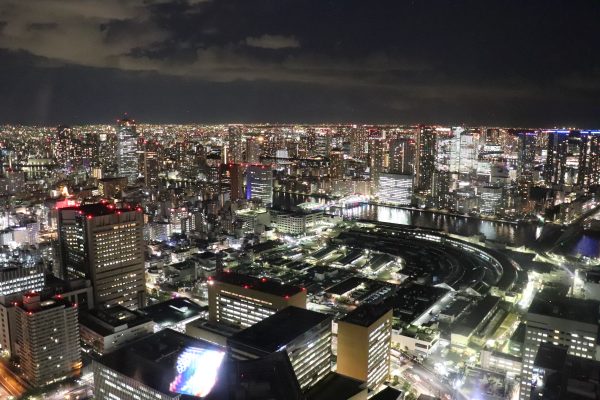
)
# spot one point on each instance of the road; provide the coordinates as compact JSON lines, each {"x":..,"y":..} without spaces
{"x":9,"y":383}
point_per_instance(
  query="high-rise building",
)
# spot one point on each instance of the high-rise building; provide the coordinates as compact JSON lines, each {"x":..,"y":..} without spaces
{"x":245,"y":300}
{"x":48,"y":339}
{"x":235,"y":144}
{"x":395,"y":189}
{"x":236,"y":179}
{"x":150,"y":162}
{"x":425,"y":161}
{"x":127,"y":149}
{"x":376,"y":159}
{"x":527,"y":151}
{"x":259,"y":183}
{"x":556,"y":159}
{"x":105,"y":245}
{"x":304,"y":335}
{"x":402,"y":156}
{"x":562,"y":321}
{"x":252,"y":150}
{"x":490,"y":200}
{"x":589,"y":159}
{"x":364,"y":344}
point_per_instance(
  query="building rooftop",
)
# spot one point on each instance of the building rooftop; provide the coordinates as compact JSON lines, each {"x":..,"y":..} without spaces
{"x":579,"y":310}
{"x":336,"y":387}
{"x":259,"y":284}
{"x":367,"y":314}
{"x":168,"y":360}
{"x":100,"y":209}
{"x":106,"y":321}
{"x":279,"y":329}
{"x":172,"y":311}
{"x":388,"y":393}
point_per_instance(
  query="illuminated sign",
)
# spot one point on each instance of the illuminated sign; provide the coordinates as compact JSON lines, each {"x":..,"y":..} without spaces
{"x":197,"y":371}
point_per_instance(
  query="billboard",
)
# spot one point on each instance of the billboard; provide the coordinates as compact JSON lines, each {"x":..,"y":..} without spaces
{"x":197,"y":371}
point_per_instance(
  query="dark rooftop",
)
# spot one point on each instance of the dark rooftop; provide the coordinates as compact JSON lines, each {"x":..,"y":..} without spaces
{"x":551,"y":357}
{"x":335,"y":387}
{"x":388,"y":393}
{"x":579,"y":310}
{"x":105,"y":321}
{"x":279,"y":329}
{"x":260,"y":284}
{"x":99,"y":209}
{"x":172,"y":311}
{"x":153,"y":362}
{"x":367,"y":314}
{"x":346,"y":285}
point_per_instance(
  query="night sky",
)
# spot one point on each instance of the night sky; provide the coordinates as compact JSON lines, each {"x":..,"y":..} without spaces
{"x":514,"y":63}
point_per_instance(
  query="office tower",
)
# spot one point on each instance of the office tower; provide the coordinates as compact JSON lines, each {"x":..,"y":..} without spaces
{"x":236,"y":179}
{"x":425,"y":161}
{"x":127,"y":147}
{"x":561,"y":321}
{"x":364,"y":344}
{"x":235,"y":144}
{"x":402,"y":156}
{"x":150,"y":162}
{"x":556,"y":159}
{"x":253,"y":150}
{"x":304,"y":335}
{"x":376,"y":159}
{"x":245,"y":300}
{"x":527,"y":150}
{"x":490,"y":200}
{"x":589,"y":159}
{"x":468,"y":152}
{"x":395,"y":189}
{"x":48,"y":339}
{"x":61,"y":146}
{"x":105,"y":245}
{"x":440,"y":189}
{"x":259,"y":183}
{"x":20,"y":278}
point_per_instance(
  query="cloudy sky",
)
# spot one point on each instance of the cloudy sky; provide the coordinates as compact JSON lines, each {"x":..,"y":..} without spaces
{"x":520,"y":63}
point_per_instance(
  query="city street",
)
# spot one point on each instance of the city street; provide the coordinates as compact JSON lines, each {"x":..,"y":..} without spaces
{"x":10,"y":385}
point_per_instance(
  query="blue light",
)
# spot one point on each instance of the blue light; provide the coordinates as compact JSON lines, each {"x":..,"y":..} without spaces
{"x":197,"y":371}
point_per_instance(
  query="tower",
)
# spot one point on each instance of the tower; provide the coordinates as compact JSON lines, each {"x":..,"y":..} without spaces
{"x":127,"y":146}
{"x":104,"y":244}
{"x":425,"y":162}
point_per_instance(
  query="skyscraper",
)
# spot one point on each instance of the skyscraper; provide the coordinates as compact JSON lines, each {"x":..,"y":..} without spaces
{"x":127,"y":147}
{"x":402,"y":156}
{"x":425,"y":163}
{"x":259,"y":183}
{"x":236,"y":177}
{"x":252,"y":150}
{"x":527,"y":149}
{"x":556,"y":159}
{"x":235,"y":144}
{"x":589,"y":159}
{"x":47,"y":335}
{"x":105,"y":245}
{"x":376,"y":158}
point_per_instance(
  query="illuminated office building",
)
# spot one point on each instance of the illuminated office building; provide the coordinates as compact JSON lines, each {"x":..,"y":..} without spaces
{"x":364,"y":344}
{"x":127,"y":149}
{"x":527,"y":151}
{"x":304,"y":335}
{"x":259,"y":183}
{"x":16,"y":279}
{"x":402,"y":156}
{"x":236,"y":180}
{"x":589,"y":159}
{"x":252,"y":150}
{"x":47,"y":335}
{"x":395,"y":189}
{"x":376,"y":158}
{"x":235,"y":144}
{"x":555,"y":168}
{"x":490,"y":200}
{"x":244,"y":300}
{"x":561,"y":321}
{"x":105,"y":245}
{"x":425,"y":161}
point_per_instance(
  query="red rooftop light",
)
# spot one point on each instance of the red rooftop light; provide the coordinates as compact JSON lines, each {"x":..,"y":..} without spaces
{"x":263,"y":279}
{"x":286,"y":297}
{"x":246,"y":287}
{"x":90,"y":216}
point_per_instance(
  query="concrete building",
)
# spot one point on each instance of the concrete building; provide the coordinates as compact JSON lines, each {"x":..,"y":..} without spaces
{"x":364,"y":344}
{"x":127,"y":150}
{"x":395,"y":189}
{"x":304,"y":335}
{"x":259,"y":183}
{"x":47,"y":339}
{"x":245,"y":300}
{"x":106,"y":329}
{"x":105,"y":245}
{"x":296,"y":223}
{"x":20,"y":278}
{"x":568,"y":322}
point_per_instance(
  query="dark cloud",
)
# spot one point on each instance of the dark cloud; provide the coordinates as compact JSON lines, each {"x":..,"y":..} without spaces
{"x":496,"y":62}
